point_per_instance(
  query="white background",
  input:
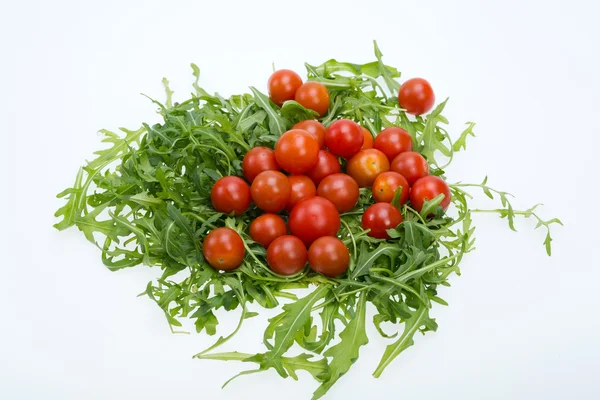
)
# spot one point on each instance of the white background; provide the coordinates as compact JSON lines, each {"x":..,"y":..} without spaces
{"x":520,"y":325}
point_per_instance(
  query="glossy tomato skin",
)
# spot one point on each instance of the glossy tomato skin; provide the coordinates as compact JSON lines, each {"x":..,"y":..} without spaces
{"x":271,"y":191}
{"x":302,"y":187}
{"x":379,"y":218}
{"x":296,"y":151}
{"x":313,"y":218}
{"x":416,"y":96}
{"x":286,"y":255}
{"x":368,"y":139}
{"x":314,"y":96}
{"x":283,"y":85}
{"x":366,"y":165}
{"x":344,"y":138}
{"x":223,"y":249}
{"x":341,"y":190}
{"x":385,"y":186}
{"x":328,"y":256}
{"x":267,"y":228}
{"x":393,"y":141}
{"x":315,"y":128}
{"x":230,"y":194}
{"x":327,"y":164}
{"x":427,"y":188}
{"x":411,"y":165}
{"x":257,"y":160}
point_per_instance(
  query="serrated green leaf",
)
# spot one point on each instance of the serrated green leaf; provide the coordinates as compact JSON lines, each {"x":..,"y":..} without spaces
{"x":461,"y":142}
{"x":345,"y":353}
{"x":411,"y":326}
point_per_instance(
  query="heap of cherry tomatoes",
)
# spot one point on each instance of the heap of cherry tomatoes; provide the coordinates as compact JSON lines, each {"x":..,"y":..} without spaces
{"x":315,"y":190}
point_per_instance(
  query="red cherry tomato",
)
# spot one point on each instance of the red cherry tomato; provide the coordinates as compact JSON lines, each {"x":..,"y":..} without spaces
{"x":410,"y":165}
{"x":286,"y":255}
{"x":314,"y":96}
{"x":379,"y":218}
{"x":315,"y":128}
{"x":302,"y":187}
{"x":341,"y":190}
{"x":230,"y":194}
{"x":296,"y":151}
{"x":313,"y":218}
{"x":344,"y":138}
{"x":368,"y":142}
{"x":366,"y":165}
{"x":223,"y":249}
{"x":385,"y":186}
{"x":328,"y":256}
{"x":327,"y":164}
{"x":257,"y":160}
{"x":271,"y":191}
{"x":267,"y":228}
{"x":427,"y":188}
{"x":416,"y":96}
{"x":393,"y":141}
{"x":283,"y":85}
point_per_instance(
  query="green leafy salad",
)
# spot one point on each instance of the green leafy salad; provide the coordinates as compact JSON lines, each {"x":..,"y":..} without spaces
{"x":334,"y":184}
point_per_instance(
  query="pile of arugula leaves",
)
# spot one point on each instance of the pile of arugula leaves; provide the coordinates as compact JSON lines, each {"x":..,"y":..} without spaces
{"x":145,"y":200}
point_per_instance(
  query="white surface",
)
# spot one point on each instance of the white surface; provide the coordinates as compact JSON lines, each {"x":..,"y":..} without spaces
{"x":520,"y":325}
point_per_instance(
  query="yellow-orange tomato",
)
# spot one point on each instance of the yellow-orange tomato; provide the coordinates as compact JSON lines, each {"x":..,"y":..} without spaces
{"x":385,"y":186}
{"x":366,"y":165}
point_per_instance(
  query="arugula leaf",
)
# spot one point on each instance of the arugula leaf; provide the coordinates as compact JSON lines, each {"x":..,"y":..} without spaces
{"x":345,"y":353}
{"x":431,"y":142}
{"x":366,"y":258}
{"x":462,"y":140}
{"x":277,"y":124}
{"x":291,"y":365}
{"x":420,"y":318}
{"x":389,"y":74}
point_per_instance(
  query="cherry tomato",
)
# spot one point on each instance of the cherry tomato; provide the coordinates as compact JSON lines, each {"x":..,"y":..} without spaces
{"x":297,"y":151}
{"x":410,"y":165}
{"x":302,"y":188}
{"x":366,"y":165}
{"x":427,"y":188}
{"x":286,"y":255}
{"x":283,"y":85}
{"x":314,"y":96}
{"x":315,"y":128}
{"x":393,"y":141}
{"x":257,"y":160}
{"x":267,"y":228}
{"x":341,"y":190}
{"x":271,"y":191}
{"x":328,"y":256}
{"x":223,"y":249}
{"x":313,"y":218}
{"x":368,"y":142}
{"x":230,"y":194}
{"x":416,"y":96}
{"x":344,"y":138}
{"x":385,"y":186}
{"x":379,"y":218}
{"x":327,"y":164}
